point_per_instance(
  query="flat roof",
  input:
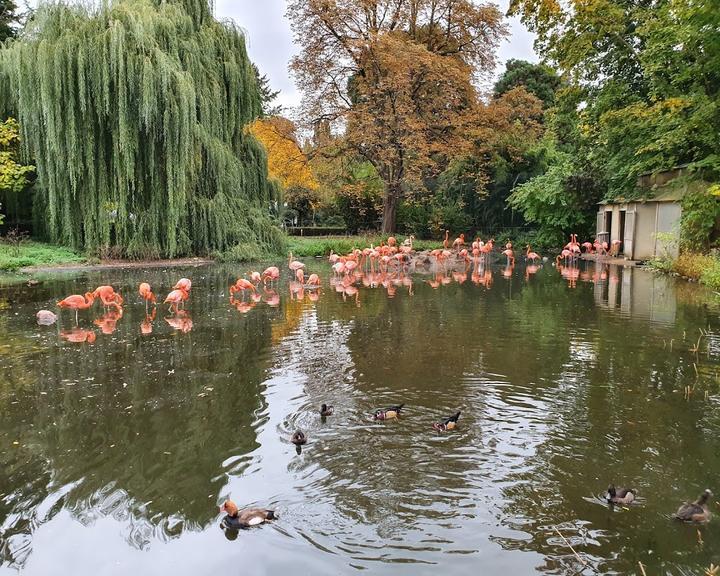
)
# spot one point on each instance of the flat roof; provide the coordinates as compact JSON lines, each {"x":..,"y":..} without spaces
{"x":672,"y":191}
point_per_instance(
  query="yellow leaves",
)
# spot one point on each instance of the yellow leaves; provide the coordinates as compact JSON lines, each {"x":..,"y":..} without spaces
{"x":286,"y":161}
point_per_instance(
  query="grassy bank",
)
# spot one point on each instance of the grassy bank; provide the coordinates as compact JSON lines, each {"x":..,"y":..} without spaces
{"x":703,"y":268}
{"x":36,"y":254}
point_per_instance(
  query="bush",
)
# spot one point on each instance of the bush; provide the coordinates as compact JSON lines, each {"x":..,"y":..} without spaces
{"x":699,"y":220}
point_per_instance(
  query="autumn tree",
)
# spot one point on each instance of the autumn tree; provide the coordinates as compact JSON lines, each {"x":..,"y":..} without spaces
{"x":397,"y":77}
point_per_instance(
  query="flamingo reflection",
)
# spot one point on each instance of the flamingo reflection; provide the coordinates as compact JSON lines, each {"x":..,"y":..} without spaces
{"x":78,"y":335}
{"x":181,"y":321}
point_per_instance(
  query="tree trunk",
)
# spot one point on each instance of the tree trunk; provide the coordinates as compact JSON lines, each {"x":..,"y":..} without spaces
{"x":390,"y":204}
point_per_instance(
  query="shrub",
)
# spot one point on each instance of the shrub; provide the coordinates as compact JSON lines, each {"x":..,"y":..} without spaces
{"x":699,"y":220}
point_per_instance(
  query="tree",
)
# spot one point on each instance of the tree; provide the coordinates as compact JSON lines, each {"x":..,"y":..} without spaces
{"x":9,"y":19}
{"x":136,"y":114}
{"x":538,"y":79}
{"x":14,"y":176}
{"x":267,"y":94}
{"x":397,"y":76}
{"x":286,"y":161}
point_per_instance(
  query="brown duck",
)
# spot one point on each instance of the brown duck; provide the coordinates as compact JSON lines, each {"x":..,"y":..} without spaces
{"x":238,"y":519}
{"x":697,"y":511}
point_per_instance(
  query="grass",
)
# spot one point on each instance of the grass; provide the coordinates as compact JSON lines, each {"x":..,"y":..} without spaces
{"x":701,"y":267}
{"x":307,"y":247}
{"x":32,"y":253}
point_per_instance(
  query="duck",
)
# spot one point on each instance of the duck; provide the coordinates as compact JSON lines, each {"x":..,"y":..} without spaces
{"x":299,"y":438}
{"x":448,"y":424}
{"x":388,"y":413}
{"x":326,"y":410}
{"x":620,"y":495}
{"x":241,"y":519}
{"x":697,"y":511}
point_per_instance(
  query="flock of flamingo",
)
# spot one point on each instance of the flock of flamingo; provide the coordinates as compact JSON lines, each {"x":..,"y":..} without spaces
{"x":390,"y":265}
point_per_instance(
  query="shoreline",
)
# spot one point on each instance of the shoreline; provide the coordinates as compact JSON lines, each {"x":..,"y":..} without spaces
{"x":115,"y":264}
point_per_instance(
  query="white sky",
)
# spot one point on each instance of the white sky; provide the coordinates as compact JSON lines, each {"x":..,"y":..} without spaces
{"x":270,"y":44}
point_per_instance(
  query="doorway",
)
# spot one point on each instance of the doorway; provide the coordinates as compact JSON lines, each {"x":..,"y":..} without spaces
{"x":608,"y":226}
{"x":621,"y":235}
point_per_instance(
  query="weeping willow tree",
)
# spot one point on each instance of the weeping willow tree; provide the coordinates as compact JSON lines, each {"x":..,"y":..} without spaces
{"x":135,"y":113}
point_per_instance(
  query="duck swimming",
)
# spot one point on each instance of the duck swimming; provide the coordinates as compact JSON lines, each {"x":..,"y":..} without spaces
{"x":620,"y":495}
{"x":299,"y":438}
{"x":697,"y":511}
{"x":388,"y":413}
{"x":240,"y":519}
{"x":448,"y":424}
{"x":326,"y":410}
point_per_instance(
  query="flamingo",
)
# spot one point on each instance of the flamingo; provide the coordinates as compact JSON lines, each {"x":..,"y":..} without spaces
{"x":108,"y":296}
{"x":588,"y":247}
{"x":333,"y":257}
{"x":446,"y":242}
{"x":77,"y":302}
{"x":510,"y":255}
{"x":183,"y":284}
{"x":459,"y":242}
{"x":294,"y":265}
{"x":300,"y":276}
{"x":175,"y":298}
{"x":240,"y":286}
{"x":338,"y":267}
{"x":146,"y":293}
{"x":255,"y":277}
{"x":350,"y":266}
{"x":314,"y":280}
{"x":531,"y":255}
{"x":391,"y":241}
{"x":272,"y":273}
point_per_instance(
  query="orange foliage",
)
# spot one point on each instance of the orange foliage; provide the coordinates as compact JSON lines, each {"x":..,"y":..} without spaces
{"x":286,"y":161}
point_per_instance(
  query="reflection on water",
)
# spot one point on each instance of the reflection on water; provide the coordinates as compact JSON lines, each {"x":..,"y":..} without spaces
{"x":119,"y":437}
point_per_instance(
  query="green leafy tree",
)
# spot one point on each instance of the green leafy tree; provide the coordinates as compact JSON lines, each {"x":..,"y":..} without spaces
{"x":9,"y":19}
{"x":139,"y":130}
{"x":14,"y":176}
{"x":267,"y":94}
{"x":538,"y":79}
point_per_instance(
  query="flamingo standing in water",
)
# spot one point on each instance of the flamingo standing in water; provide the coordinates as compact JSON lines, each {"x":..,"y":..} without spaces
{"x":531,"y":255}
{"x":108,"y":296}
{"x":147,"y":295}
{"x":240,"y":286}
{"x":459,"y":242}
{"x":294,"y":265}
{"x":183,"y":284}
{"x":510,"y":255}
{"x":300,"y":276}
{"x":314,"y":280}
{"x":255,"y":277}
{"x":271,"y":273}
{"x":175,"y":298}
{"x":446,"y":242}
{"x":77,"y":302}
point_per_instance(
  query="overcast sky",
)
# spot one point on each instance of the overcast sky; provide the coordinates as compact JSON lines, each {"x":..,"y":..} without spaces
{"x":270,"y":44}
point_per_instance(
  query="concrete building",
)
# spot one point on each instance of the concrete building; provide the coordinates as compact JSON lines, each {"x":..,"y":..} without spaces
{"x":648,"y":226}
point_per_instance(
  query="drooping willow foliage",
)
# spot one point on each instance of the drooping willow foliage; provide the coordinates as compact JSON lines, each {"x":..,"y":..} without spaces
{"x":135,"y":113}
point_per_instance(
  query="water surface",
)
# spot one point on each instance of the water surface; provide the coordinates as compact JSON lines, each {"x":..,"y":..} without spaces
{"x":115,"y":452}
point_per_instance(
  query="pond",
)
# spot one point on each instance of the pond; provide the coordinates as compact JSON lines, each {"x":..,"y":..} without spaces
{"x":116,"y":449}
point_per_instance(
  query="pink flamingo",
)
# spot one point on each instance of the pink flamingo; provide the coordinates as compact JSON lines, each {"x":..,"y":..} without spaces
{"x":300,"y":276}
{"x":532,"y":256}
{"x":271,"y":273}
{"x":241,"y":285}
{"x":175,"y":298}
{"x":77,"y":302}
{"x":183,"y":284}
{"x":255,"y":277}
{"x":510,"y":255}
{"x":294,"y":265}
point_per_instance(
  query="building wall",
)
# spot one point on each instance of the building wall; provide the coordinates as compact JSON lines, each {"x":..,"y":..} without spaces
{"x":656,"y":228}
{"x":644,"y":247}
{"x":668,"y":228}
